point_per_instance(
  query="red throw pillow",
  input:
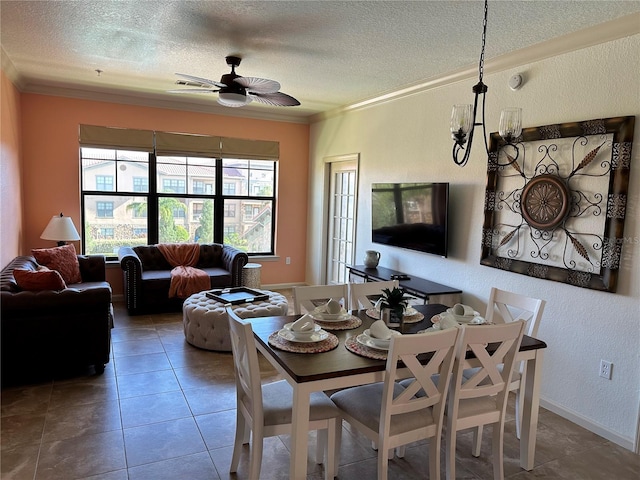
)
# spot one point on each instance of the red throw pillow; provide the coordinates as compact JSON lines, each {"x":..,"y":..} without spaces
{"x":63,"y":259}
{"x":41,"y":279}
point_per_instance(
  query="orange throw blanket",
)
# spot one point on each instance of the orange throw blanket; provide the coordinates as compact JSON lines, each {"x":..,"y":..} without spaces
{"x":185,"y":280}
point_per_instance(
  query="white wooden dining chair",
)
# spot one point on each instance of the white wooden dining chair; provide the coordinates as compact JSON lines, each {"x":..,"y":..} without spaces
{"x":482,"y":398}
{"x":359,"y":293}
{"x":304,"y":297}
{"x":505,"y":307}
{"x":266,"y":410}
{"x":391,"y":415}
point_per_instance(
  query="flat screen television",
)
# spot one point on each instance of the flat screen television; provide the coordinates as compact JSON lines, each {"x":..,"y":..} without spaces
{"x":411,"y":215}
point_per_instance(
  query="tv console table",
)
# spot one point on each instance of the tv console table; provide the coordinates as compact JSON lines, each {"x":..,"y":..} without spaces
{"x":428,"y":291}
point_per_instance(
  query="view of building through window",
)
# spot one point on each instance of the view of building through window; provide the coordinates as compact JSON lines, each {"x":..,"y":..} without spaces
{"x":186,"y":197}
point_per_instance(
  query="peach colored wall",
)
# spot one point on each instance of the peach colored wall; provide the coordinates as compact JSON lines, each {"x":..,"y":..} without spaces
{"x":52,"y":174}
{"x":10,"y":172}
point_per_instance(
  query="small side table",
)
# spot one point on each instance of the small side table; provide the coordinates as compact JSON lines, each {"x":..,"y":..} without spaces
{"x":251,"y":275}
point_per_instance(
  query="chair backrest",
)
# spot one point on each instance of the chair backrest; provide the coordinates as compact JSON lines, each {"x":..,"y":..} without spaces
{"x":304,"y":297}
{"x":514,"y":306}
{"x":433,"y":388}
{"x":246,"y":366}
{"x":359,"y":293}
{"x":490,"y":378}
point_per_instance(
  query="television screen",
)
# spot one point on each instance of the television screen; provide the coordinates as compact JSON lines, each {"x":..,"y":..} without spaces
{"x":411,"y":215}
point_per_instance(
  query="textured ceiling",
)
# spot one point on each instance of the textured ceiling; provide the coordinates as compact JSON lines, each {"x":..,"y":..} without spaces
{"x":327,"y":54}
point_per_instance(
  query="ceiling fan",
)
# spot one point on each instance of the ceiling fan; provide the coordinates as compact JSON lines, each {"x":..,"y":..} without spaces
{"x":236,"y":91}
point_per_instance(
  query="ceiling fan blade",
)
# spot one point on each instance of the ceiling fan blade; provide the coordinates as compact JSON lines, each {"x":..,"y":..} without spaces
{"x":277,"y":99}
{"x":203,"y":81}
{"x":193,"y":90}
{"x":260,"y":85}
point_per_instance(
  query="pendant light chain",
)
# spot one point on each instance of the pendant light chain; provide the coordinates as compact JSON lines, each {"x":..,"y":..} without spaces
{"x":484,"y":40}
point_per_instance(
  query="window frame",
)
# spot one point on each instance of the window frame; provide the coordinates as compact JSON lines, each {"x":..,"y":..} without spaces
{"x":155,"y":192}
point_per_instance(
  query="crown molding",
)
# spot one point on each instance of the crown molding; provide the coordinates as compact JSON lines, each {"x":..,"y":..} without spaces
{"x":9,"y":69}
{"x":622,"y":27}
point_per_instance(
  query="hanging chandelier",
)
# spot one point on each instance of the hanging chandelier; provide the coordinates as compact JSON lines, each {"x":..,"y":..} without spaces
{"x":463,"y":117}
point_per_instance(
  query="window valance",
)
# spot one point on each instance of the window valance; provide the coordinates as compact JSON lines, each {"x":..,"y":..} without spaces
{"x":113,"y":137}
{"x":181,"y":143}
{"x":168,"y":143}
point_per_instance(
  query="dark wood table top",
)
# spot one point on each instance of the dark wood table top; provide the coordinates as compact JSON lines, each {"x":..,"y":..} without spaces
{"x":339,"y":362}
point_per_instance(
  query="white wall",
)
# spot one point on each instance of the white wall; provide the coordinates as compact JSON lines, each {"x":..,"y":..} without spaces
{"x":408,"y":139}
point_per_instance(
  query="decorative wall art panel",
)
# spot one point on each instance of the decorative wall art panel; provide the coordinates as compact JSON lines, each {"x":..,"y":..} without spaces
{"x":556,"y":200}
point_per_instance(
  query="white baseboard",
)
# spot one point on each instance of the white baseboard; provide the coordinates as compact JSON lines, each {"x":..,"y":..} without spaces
{"x":280,"y":286}
{"x":584,"y":422}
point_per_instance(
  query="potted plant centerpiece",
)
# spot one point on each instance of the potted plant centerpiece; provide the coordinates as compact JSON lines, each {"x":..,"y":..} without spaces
{"x":394,"y":301}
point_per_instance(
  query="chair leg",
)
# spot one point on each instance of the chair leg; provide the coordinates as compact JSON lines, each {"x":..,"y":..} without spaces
{"x":400,"y":451}
{"x":434,"y":458}
{"x":477,"y":441}
{"x":255,"y":463}
{"x":241,"y":427}
{"x":383,"y":462}
{"x":331,"y":442}
{"x":519,"y":409}
{"x":497,"y":447}
{"x":450,"y":453}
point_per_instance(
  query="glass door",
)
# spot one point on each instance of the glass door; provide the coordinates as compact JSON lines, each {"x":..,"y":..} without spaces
{"x":343,"y":198}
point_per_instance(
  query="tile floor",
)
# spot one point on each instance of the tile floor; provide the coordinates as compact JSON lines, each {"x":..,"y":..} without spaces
{"x":166,"y":410}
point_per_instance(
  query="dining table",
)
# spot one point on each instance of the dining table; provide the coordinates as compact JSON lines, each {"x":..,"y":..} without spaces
{"x":336,"y":366}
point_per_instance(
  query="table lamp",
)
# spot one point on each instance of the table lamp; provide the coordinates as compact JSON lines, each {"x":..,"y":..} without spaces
{"x":60,"y":229}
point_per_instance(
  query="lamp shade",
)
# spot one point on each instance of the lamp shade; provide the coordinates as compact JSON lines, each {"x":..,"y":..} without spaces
{"x":60,"y":229}
{"x":461,"y":119}
{"x":510,"y":123}
{"x":233,"y":99}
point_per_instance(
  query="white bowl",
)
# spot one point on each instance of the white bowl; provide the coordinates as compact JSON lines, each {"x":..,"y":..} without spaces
{"x":302,"y":335}
{"x":379,"y":341}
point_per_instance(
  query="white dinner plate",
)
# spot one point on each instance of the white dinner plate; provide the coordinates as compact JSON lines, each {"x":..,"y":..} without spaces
{"x":316,"y":327}
{"x":367,"y":341}
{"x":410,"y":312}
{"x":313,"y":338}
{"x":323,"y":316}
{"x":380,"y":343}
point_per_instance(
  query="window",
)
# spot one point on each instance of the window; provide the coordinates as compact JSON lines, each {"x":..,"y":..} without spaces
{"x":229,"y":209}
{"x":228,"y":188}
{"x":104,"y":183}
{"x":171,"y":185}
{"x":202,"y":188}
{"x":140,"y":184}
{"x":105,"y":232}
{"x":197,"y":211}
{"x":104,"y":209}
{"x":133,"y":197}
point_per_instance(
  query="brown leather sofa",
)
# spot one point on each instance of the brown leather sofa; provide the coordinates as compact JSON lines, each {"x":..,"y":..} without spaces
{"x":48,"y":332}
{"x":147,"y":275}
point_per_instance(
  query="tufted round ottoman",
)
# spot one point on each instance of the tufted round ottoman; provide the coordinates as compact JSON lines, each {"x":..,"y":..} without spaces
{"x":206,"y":324}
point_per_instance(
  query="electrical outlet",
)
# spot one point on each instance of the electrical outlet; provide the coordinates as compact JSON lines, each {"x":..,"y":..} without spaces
{"x":605,"y":369}
{"x":287,"y":260}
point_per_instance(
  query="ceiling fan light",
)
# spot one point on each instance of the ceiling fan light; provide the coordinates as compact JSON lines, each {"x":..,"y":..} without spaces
{"x":230,"y":99}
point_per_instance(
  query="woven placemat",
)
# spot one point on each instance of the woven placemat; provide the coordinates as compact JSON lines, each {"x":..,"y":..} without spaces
{"x":278,"y":342}
{"x":353,"y":322}
{"x":415,"y":318}
{"x":354,"y":347}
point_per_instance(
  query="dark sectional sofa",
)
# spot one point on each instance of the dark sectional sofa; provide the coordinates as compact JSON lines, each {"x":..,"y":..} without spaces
{"x":147,"y":275}
{"x":48,"y":332}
